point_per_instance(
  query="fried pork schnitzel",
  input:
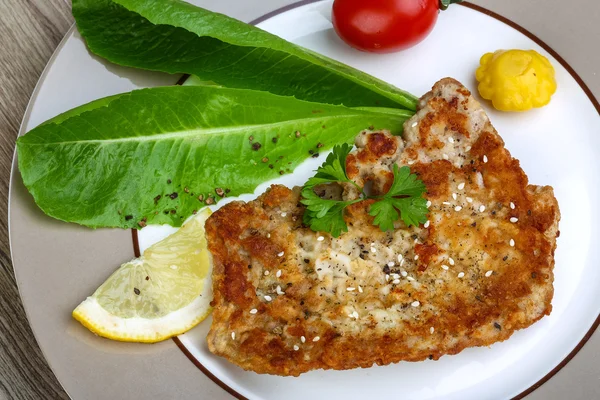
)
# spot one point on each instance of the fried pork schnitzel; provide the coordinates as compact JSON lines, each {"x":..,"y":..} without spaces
{"x":289,"y":300}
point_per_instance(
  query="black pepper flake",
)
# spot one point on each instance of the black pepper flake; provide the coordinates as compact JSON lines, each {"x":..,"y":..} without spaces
{"x":319,"y":145}
{"x":431,"y":357}
{"x":316,"y":155}
{"x":474,"y":224}
{"x":166,"y":212}
{"x":311,"y":152}
{"x":505,"y":258}
{"x":301,"y":302}
{"x":136,"y":291}
{"x":497,"y":326}
{"x":128,"y":217}
{"x":533,"y":275}
{"x":371,"y":127}
{"x":528,"y":212}
{"x":169,"y":181}
{"x":210,"y":200}
{"x":147,"y":278}
{"x":362,"y":256}
{"x":201,"y":197}
{"x":249,"y":266}
{"x":173,"y":211}
{"x":274,"y":140}
{"x":386,"y":269}
{"x":142,"y":223}
{"x":195,"y":212}
{"x":256,"y":146}
{"x":271,"y":166}
{"x":227,"y":190}
{"x":281,"y":172}
{"x":220,"y":192}
{"x":173,"y":195}
{"x":157,"y":198}
{"x":306,"y":260}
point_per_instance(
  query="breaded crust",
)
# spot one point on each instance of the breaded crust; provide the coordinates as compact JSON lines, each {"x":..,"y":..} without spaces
{"x":289,"y":300}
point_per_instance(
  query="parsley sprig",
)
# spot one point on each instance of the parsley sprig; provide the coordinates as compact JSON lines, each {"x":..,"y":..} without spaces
{"x":404,"y":199}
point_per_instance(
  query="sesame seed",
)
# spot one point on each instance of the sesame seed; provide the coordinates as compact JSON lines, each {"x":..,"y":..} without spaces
{"x":416,"y":257}
{"x":454,"y":196}
{"x":512,"y":205}
{"x":485,"y":159}
{"x":280,"y":254}
{"x":400,"y":257}
{"x":461,"y":274}
{"x":350,"y":289}
{"x":512,"y":243}
{"x":316,"y":338}
{"x":446,"y":203}
{"x":391,"y":264}
{"x":253,"y":311}
{"x":279,"y":291}
{"x":414,"y":124}
{"x":268,"y":235}
{"x":445,"y":267}
{"x":461,"y":186}
{"x":431,"y":330}
{"x":468,"y":148}
{"x":395,"y":276}
{"x":233,"y":335}
{"x":296,"y":348}
{"x":481,"y":208}
{"x":445,"y":156}
{"x":415,"y":303}
{"x":360,"y":289}
{"x":266,"y":273}
{"x":450,"y":139}
{"x":451,"y":260}
{"x":355,"y":314}
{"x":404,"y":273}
{"x":488,"y":274}
{"x":410,"y":278}
{"x":457,"y":208}
{"x":278,"y":274}
{"x":396,"y":281}
{"x":469,"y":200}
{"x":428,"y":203}
{"x":387,"y":277}
{"x":402,"y":263}
{"x":302,"y":339}
{"x":514,"y":219}
{"x":268,"y":298}
{"x":320,"y":238}
{"x":373,"y":250}
{"x":284,"y":214}
{"x":411,"y":162}
{"x":173,"y":267}
{"x":426,"y":225}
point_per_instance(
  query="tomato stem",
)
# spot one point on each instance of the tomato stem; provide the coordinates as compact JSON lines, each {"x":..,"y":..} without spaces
{"x":444,"y":4}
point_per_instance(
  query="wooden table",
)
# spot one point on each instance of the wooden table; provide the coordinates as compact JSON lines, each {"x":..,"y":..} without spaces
{"x":30,"y":30}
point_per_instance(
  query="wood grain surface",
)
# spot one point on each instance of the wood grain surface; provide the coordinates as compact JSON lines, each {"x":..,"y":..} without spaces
{"x":29,"y":33}
{"x":30,"y":30}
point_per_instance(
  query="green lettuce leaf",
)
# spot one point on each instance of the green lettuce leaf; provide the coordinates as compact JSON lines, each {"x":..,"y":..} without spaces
{"x":147,"y":156}
{"x":176,"y":37}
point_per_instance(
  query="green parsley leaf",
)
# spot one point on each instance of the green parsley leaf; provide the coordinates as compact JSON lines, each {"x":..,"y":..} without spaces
{"x":403,"y":200}
{"x":412,"y":206}
{"x":324,"y":215}
{"x":333,"y":169}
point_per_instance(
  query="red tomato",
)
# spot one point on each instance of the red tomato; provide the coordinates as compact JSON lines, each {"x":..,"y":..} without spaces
{"x":384,"y":26}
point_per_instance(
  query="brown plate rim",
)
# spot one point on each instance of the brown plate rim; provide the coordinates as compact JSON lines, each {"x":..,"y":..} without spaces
{"x":539,"y":42}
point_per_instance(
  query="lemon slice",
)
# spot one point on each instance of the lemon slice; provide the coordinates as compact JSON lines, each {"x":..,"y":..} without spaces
{"x":163,"y":293}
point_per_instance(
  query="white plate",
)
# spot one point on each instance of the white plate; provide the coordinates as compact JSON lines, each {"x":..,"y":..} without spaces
{"x":558,"y":145}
